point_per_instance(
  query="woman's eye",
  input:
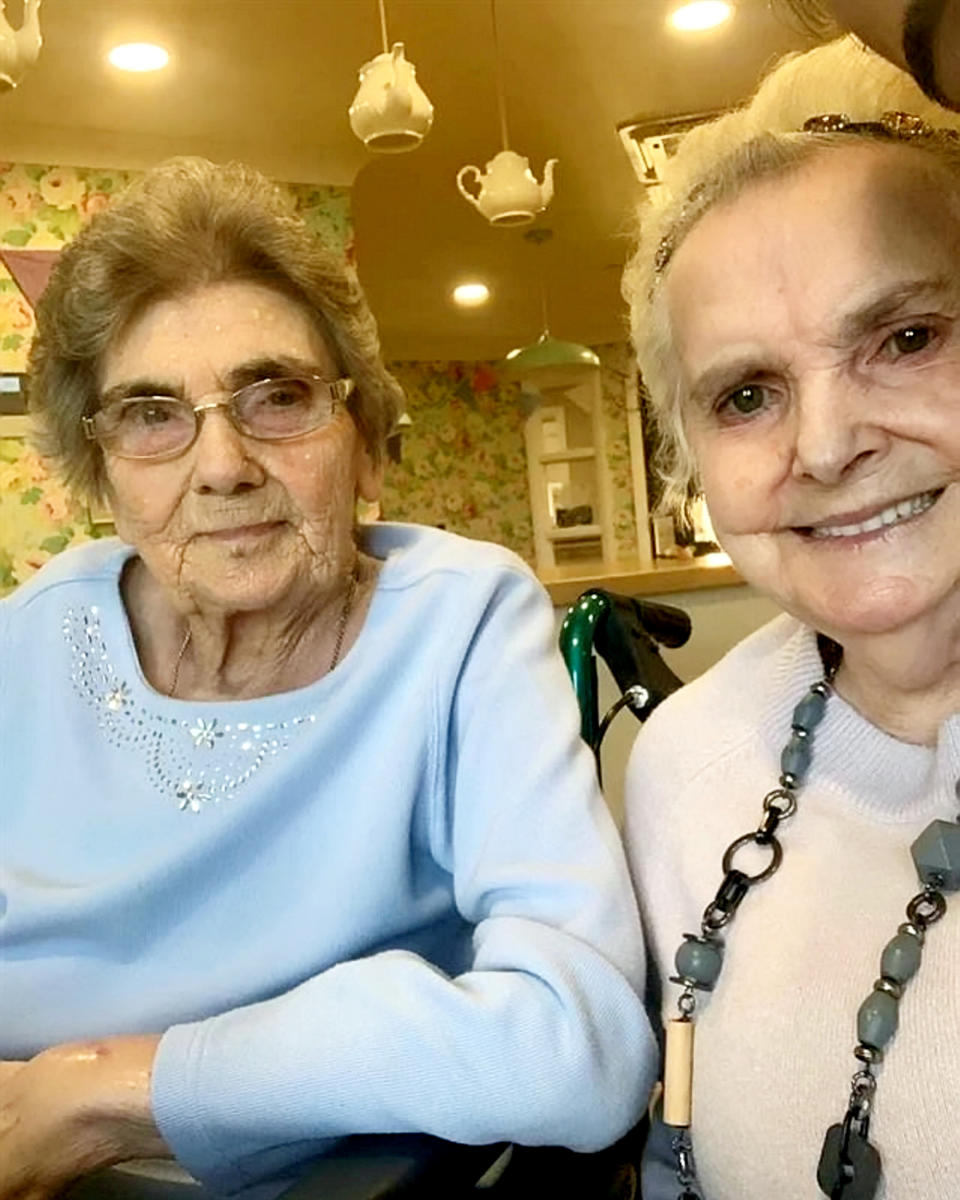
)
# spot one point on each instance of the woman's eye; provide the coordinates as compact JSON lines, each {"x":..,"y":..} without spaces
{"x":745,"y":401}
{"x":287,"y":395}
{"x":146,"y":413}
{"x":910,"y":340}
{"x":281,"y":399}
{"x":155,"y":414}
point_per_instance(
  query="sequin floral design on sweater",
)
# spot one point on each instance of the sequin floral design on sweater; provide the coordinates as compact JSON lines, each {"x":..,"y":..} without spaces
{"x":197,"y":761}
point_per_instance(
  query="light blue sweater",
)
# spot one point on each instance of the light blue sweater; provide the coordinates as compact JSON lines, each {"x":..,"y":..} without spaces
{"x":390,"y":901}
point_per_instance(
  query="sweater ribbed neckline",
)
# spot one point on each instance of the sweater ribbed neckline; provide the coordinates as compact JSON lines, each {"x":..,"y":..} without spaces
{"x":893,"y":780}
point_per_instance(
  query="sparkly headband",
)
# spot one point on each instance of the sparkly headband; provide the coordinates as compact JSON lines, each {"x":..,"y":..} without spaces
{"x":897,"y":126}
{"x":902,"y":126}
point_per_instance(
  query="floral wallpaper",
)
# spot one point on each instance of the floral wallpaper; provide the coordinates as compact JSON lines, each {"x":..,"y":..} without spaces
{"x":38,"y":517}
{"x":618,"y":364}
{"x":326,"y":210}
{"x":464,"y":462}
{"x":464,"y":456}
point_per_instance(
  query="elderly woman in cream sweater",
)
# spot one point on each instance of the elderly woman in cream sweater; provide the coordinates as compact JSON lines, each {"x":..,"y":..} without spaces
{"x":792,"y":815}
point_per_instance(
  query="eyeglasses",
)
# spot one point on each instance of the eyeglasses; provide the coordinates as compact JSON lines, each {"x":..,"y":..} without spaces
{"x":270,"y":410}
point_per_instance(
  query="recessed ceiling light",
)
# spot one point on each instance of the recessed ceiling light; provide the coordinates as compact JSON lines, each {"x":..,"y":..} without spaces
{"x":139,"y":56}
{"x":471,"y":295}
{"x":702,"y":14}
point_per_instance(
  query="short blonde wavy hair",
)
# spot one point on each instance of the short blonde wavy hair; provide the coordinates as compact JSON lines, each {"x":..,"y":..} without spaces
{"x":715,"y":162}
{"x":186,"y":224}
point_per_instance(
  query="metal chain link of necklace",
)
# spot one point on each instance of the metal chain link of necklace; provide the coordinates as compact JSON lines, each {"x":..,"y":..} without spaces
{"x":849,"y":1167}
{"x":344,"y":617}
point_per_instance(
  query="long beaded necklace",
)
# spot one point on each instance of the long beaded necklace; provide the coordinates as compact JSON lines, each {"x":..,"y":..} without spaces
{"x":849,"y":1167}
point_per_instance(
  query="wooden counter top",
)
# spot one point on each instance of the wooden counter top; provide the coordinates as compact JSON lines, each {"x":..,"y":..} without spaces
{"x":633,"y":579}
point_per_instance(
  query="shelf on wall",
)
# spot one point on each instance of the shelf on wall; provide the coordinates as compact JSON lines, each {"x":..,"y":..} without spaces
{"x":565,"y":583}
{"x":575,"y":533}
{"x":576,"y":454}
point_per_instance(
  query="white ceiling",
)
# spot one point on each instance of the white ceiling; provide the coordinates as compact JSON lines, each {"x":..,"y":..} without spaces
{"x":269,"y":81}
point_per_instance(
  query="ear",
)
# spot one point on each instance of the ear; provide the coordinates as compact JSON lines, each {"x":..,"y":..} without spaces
{"x":368,"y":474}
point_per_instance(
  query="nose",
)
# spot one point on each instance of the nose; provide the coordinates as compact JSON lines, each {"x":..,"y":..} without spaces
{"x":836,"y":432}
{"x":222,"y":463}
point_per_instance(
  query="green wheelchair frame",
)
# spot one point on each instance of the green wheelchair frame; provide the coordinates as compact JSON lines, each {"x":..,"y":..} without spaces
{"x":627,"y":634}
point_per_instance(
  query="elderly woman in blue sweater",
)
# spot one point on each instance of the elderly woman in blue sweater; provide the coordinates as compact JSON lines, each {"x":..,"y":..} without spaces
{"x":299,"y":840}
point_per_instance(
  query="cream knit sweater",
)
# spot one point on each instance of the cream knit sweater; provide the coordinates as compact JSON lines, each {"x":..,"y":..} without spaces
{"x":774,"y":1045}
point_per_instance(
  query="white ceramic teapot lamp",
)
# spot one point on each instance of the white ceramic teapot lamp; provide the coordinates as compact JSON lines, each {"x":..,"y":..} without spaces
{"x":390,"y":113}
{"x":507,"y":193}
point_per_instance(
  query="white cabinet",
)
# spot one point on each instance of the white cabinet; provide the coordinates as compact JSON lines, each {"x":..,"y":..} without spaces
{"x":570,"y":494}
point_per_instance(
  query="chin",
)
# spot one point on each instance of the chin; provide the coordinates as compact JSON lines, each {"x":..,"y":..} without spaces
{"x":883,"y":607}
{"x":240,"y":586}
{"x":887,"y":584}
{"x":252,"y":597}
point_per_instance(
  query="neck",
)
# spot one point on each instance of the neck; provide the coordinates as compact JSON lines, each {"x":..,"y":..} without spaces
{"x":906,"y":682}
{"x":242,"y":655}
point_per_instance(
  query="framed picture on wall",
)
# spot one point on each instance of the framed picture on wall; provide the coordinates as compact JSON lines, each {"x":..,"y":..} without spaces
{"x":13,"y":406}
{"x":15,"y":423}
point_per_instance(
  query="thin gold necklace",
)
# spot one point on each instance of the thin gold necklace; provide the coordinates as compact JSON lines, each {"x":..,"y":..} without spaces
{"x":176,"y":666}
{"x":344,"y":617}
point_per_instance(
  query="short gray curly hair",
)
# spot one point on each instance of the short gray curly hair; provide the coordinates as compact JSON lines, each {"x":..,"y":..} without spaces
{"x":185,"y":224}
{"x":715,"y":162}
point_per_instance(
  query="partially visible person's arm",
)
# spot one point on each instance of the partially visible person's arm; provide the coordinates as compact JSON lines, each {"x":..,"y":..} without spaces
{"x":73,"y":1109}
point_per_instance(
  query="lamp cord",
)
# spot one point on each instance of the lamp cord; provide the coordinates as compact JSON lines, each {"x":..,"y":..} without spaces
{"x":383,"y":27}
{"x":501,"y":99}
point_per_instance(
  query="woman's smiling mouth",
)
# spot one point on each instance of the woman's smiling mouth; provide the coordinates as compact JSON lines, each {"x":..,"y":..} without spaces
{"x":894,"y":514}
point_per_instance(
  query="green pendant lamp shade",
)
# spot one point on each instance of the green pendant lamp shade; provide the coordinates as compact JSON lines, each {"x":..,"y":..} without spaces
{"x":549,"y":362}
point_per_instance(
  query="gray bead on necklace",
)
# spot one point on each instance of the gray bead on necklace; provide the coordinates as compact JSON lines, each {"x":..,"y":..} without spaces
{"x":849,"y":1166}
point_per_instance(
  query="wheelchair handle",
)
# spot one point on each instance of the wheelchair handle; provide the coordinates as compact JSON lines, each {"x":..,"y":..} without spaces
{"x":577,"y":635}
{"x":625,"y":632}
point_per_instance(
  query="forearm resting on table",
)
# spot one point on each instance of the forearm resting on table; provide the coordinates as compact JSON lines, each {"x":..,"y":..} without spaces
{"x":74,"y":1108}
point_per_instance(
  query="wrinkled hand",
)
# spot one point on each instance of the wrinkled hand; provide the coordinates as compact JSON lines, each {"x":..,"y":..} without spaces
{"x":71,"y":1110}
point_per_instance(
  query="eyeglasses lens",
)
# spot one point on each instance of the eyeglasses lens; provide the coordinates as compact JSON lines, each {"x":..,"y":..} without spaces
{"x":147,"y":428}
{"x":270,"y":409}
{"x":282,"y":408}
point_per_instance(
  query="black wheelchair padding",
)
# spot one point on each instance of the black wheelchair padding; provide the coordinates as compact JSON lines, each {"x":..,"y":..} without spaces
{"x":629,"y":640}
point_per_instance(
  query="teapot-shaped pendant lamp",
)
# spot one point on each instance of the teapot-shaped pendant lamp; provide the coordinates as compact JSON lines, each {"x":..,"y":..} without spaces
{"x":19,"y":48}
{"x":390,"y":112}
{"x":507,"y":193}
